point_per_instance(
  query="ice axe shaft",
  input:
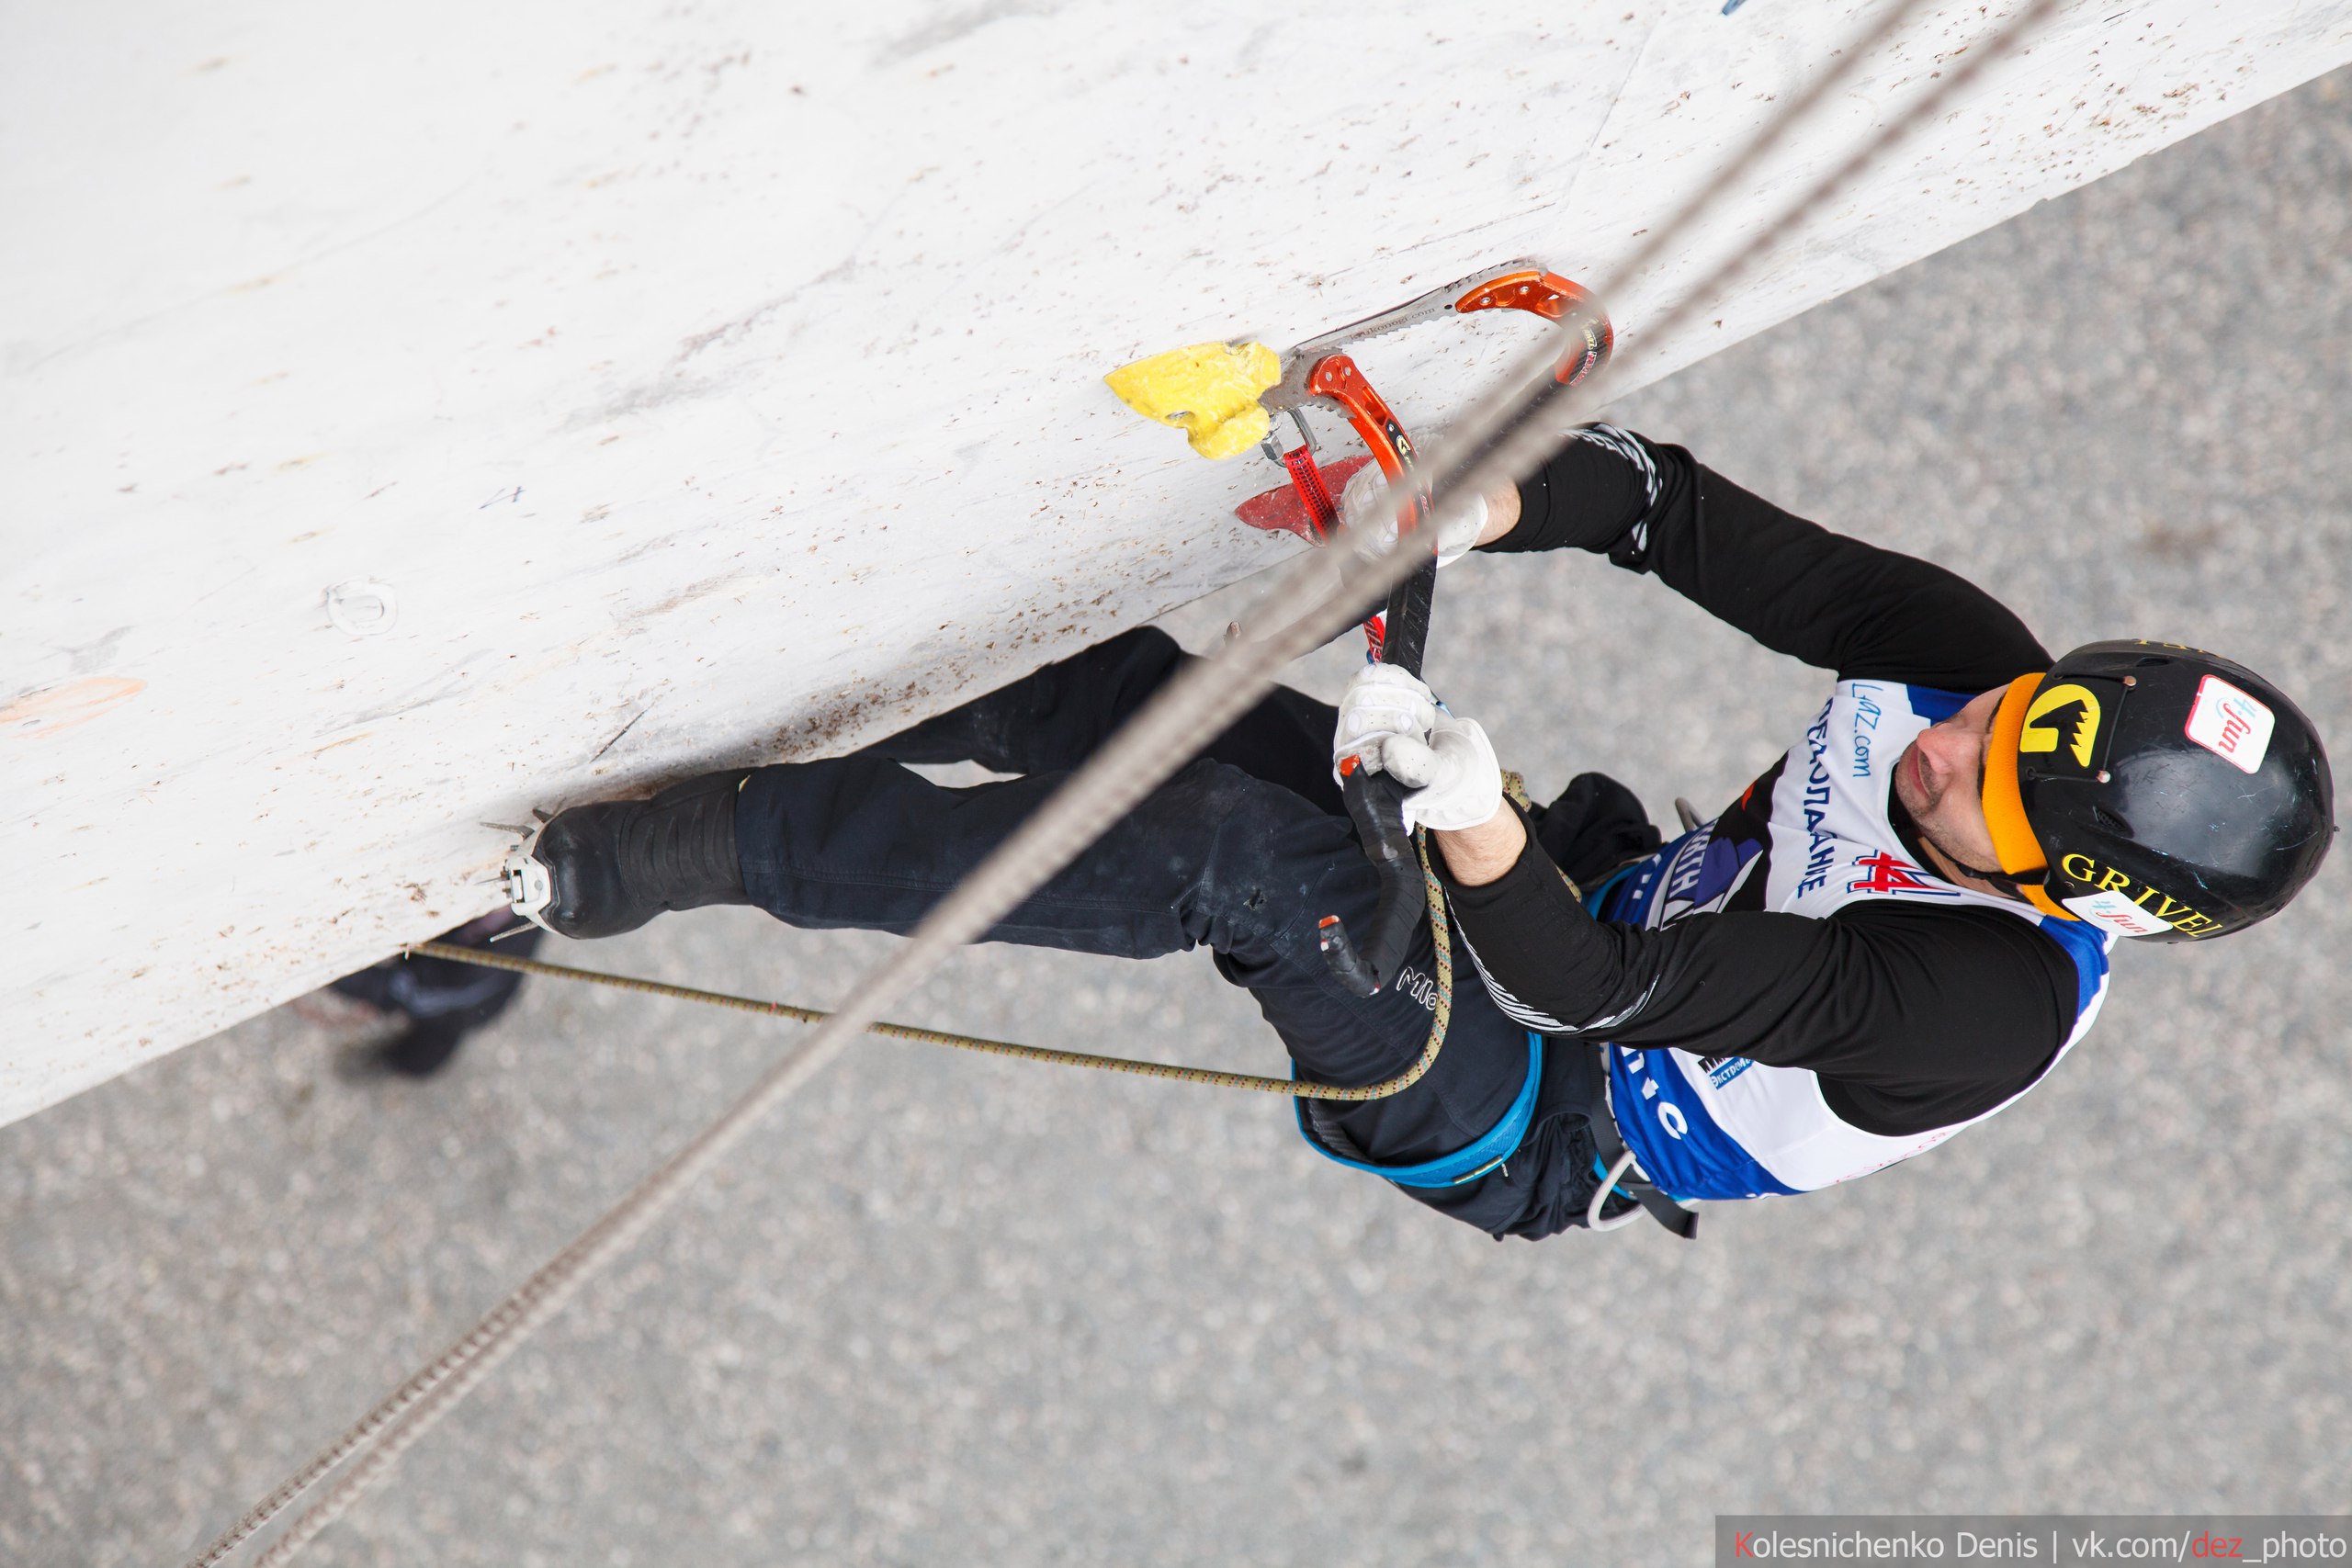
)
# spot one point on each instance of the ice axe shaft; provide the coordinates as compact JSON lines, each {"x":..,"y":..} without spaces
{"x":1376,"y":804}
{"x":1374,"y":800}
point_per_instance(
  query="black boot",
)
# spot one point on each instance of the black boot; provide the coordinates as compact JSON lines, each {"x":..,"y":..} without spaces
{"x":608,"y":868}
{"x":443,"y":1000}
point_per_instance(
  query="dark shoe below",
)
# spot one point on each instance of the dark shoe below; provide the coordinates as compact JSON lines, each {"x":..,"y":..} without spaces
{"x":603,"y":869}
{"x":441,"y":1000}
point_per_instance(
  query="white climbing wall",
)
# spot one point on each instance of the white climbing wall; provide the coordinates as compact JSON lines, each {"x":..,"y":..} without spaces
{"x":416,"y":413}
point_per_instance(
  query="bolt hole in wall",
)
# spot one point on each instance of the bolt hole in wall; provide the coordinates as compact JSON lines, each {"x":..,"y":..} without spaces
{"x":362,"y":607}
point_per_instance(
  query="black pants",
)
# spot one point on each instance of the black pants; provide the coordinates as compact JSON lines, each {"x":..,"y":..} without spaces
{"x":1243,"y":851}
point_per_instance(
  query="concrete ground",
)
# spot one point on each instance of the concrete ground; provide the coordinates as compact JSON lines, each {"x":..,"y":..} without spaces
{"x":950,"y":1308}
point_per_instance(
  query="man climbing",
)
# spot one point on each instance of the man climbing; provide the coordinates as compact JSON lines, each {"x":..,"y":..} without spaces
{"x":1894,"y":932}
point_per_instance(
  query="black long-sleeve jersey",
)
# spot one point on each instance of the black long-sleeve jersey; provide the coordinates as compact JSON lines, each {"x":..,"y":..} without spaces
{"x":1913,"y":1015}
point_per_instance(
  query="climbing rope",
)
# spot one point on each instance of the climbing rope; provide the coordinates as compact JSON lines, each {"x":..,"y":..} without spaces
{"x":1214,"y":1078}
{"x":384,"y":1433}
{"x":1503,"y":435}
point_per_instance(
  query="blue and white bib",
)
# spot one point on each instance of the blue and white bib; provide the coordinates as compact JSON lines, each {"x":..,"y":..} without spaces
{"x":1808,"y":837}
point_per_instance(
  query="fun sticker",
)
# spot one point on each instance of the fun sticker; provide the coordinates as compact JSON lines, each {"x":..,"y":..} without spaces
{"x":2230,"y":724}
{"x":2117,"y":913}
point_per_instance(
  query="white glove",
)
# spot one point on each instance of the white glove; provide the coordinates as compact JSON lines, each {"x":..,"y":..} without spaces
{"x":1381,"y":702}
{"x":1458,"y":782}
{"x":1367,"y":509}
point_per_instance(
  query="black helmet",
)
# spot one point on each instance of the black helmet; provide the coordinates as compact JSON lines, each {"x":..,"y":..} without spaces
{"x":2155,"y":790}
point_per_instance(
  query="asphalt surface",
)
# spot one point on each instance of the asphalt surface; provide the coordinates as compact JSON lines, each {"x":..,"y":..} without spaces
{"x":950,"y":1308}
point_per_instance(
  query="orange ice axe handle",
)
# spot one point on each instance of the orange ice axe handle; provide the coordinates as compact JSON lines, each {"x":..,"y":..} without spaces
{"x":1336,"y":378}
{"x":1554,"y":297}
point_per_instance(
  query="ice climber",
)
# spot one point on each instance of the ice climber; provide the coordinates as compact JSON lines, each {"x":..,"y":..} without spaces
{"x":1899,"y":928}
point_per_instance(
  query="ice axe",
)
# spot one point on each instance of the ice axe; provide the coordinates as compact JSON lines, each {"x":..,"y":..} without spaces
{"x":1321,"y":369}
{"x":1225,"y":395}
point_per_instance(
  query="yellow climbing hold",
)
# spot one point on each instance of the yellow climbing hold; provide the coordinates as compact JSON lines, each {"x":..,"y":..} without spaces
{"x":1209,"y":390}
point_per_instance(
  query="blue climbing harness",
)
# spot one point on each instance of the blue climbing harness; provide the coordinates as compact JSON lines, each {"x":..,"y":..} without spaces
{"x":1465,"y":1164}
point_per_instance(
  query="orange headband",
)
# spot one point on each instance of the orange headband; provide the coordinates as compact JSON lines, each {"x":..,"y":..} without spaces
{"x":2013,"y":841}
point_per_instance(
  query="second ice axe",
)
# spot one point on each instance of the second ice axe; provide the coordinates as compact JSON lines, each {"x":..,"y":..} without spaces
{"x":1214,"y":391}
{"x":1321,"y":369}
